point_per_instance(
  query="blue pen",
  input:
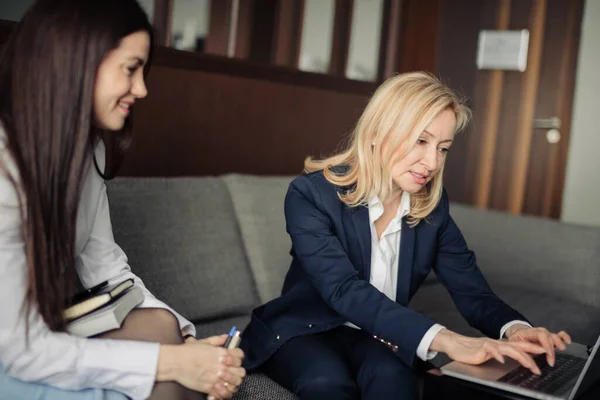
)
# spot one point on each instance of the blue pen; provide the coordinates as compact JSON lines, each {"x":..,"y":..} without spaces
{"x":230,"y":336}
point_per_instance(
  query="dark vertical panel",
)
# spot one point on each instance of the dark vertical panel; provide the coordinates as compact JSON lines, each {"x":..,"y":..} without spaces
{"x":218,"y":27}
{"x":458,"y":35}
{"x":263,"y":29}
{"x":340,"y":46}
{"x":162,"y":21}
{"x":288,"y":32}
{"x":391,"y":32}
{"x":545,"y":178}
{"x":420,"y":34}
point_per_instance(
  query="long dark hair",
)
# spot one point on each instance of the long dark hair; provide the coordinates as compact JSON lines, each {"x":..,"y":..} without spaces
{"x":47,"y":79}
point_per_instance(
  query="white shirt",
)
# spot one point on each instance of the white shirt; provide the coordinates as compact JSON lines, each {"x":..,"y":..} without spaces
{"x":385,"y":256}
{"x":57,"y":358}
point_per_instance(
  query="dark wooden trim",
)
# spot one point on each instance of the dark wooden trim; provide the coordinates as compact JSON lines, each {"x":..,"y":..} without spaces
{"x":263,"y":31}
{"x":202,"y":62}
{"x":218,"y":29}
{"x":340,"y":45}
{"x":162,"y":21}
{"x":288,"y":32}
{"x":389,"y":44}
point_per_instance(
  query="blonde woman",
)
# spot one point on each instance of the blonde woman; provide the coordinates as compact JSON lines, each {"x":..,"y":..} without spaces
{"x":367,"y":226}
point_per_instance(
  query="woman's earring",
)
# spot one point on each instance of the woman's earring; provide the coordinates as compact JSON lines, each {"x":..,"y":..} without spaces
{"x":373,"y":144}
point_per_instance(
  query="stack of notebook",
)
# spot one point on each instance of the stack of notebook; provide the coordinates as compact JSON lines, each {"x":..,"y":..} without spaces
{"x":102,"y":308}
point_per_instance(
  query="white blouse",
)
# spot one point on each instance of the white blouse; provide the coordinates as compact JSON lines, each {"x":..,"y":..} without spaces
{"x":56,"y":358}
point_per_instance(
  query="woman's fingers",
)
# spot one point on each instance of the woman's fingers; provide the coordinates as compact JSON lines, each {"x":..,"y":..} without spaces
{"x":231,"y":376}
{"x":495,"y":353}
{"x":518,"y":354}
{"x":528,"y":347}
{"x":558,"y":341}
{"x":236,"y":357}
{"x":214,"y":340}
{"x":222,"y":391}
{"x":565,"y":337}
{"x":544,"y":338}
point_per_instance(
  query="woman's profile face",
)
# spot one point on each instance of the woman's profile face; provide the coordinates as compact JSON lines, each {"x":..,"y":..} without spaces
{"x":120,"y":81}
{"x":427,"y":156}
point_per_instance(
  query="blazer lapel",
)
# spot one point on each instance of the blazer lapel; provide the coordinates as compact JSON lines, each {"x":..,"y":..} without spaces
{"x":407,"y":248}
{"x":360,"y":218}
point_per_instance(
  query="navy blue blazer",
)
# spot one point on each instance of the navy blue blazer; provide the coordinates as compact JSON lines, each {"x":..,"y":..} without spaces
{"x":328,"y":281}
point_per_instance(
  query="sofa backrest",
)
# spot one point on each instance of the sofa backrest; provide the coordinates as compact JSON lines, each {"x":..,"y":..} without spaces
{"x":258,"y":203}
{"x":218,"y":246}
{"x":182,"y":238}
{"x":564,"y":259}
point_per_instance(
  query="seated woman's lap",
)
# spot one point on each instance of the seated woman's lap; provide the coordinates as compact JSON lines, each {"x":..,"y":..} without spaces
{"x":149,"y":324}
{"x":15,"y":389}
{"x":313,"y":367}
{"x":343,"y":363}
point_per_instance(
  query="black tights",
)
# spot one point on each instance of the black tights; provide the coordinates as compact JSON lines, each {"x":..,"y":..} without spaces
{"x":155,"y":325}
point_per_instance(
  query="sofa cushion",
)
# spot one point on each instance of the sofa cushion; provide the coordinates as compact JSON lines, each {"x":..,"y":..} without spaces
{"x":581,"y":321}
{"x":221,"y":326}
{"x":258,"y":386}
{"x":182,"y":238}
{"x":258,"y":203}
{"x":532,"y":252}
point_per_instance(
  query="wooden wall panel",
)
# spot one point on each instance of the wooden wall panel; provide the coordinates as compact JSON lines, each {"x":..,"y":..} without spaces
{"x":511,"y":111}
{"x":460,"y":24}
{"x":547,"y":161}
{"x":206,"y":123}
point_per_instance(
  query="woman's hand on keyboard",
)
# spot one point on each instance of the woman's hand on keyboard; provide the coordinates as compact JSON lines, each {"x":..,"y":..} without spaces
{"x":540,"y":336}
{"x":476,"y":351}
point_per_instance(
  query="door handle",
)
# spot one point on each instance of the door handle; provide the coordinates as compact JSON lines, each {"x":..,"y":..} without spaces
{"x":546,"y":123}
{"x":552,"y":125}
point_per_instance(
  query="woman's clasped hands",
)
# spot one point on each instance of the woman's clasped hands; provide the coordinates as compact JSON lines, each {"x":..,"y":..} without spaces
{"x":203,"y":365}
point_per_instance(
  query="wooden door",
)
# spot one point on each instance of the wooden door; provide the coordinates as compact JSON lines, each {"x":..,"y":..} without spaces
{"x":503,"y":161}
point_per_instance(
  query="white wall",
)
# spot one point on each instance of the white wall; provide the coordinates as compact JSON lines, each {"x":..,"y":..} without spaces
{"x":148,"y":6}
{"x":190,"y":19}
{"x":317,"y":31}
{"x":581,"y":197}
{"x":363,"y":55}
{"x":13,"y":10}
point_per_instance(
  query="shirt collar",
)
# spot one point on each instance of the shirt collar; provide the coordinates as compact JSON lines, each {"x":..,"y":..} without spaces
{"x":376,"y":208}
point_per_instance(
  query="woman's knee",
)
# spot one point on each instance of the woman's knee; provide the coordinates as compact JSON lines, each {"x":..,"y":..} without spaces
{"x":326,"y":387}
{"x":149,"y":325}
{"x":391,"y":373}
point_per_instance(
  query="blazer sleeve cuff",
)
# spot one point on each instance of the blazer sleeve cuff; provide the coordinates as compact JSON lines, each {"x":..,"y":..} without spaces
{"x":423,"y":349}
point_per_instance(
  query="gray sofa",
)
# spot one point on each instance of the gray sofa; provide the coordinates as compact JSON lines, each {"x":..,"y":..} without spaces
{"x":216,"y":247}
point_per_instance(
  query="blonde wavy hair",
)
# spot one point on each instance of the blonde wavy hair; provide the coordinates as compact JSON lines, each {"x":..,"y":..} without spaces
{"x":397,"y":114}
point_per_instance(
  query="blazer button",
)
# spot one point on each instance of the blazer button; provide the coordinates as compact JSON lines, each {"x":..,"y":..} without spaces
{"x":395,"y":348}
{"x":310,"y":325}
{"x":277,"y":338}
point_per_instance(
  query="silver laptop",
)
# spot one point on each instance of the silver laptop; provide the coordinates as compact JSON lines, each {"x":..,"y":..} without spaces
{"x":575,"y":370}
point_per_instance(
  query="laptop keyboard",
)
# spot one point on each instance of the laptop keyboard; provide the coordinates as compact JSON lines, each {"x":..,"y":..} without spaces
{"x":566,"y":367}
